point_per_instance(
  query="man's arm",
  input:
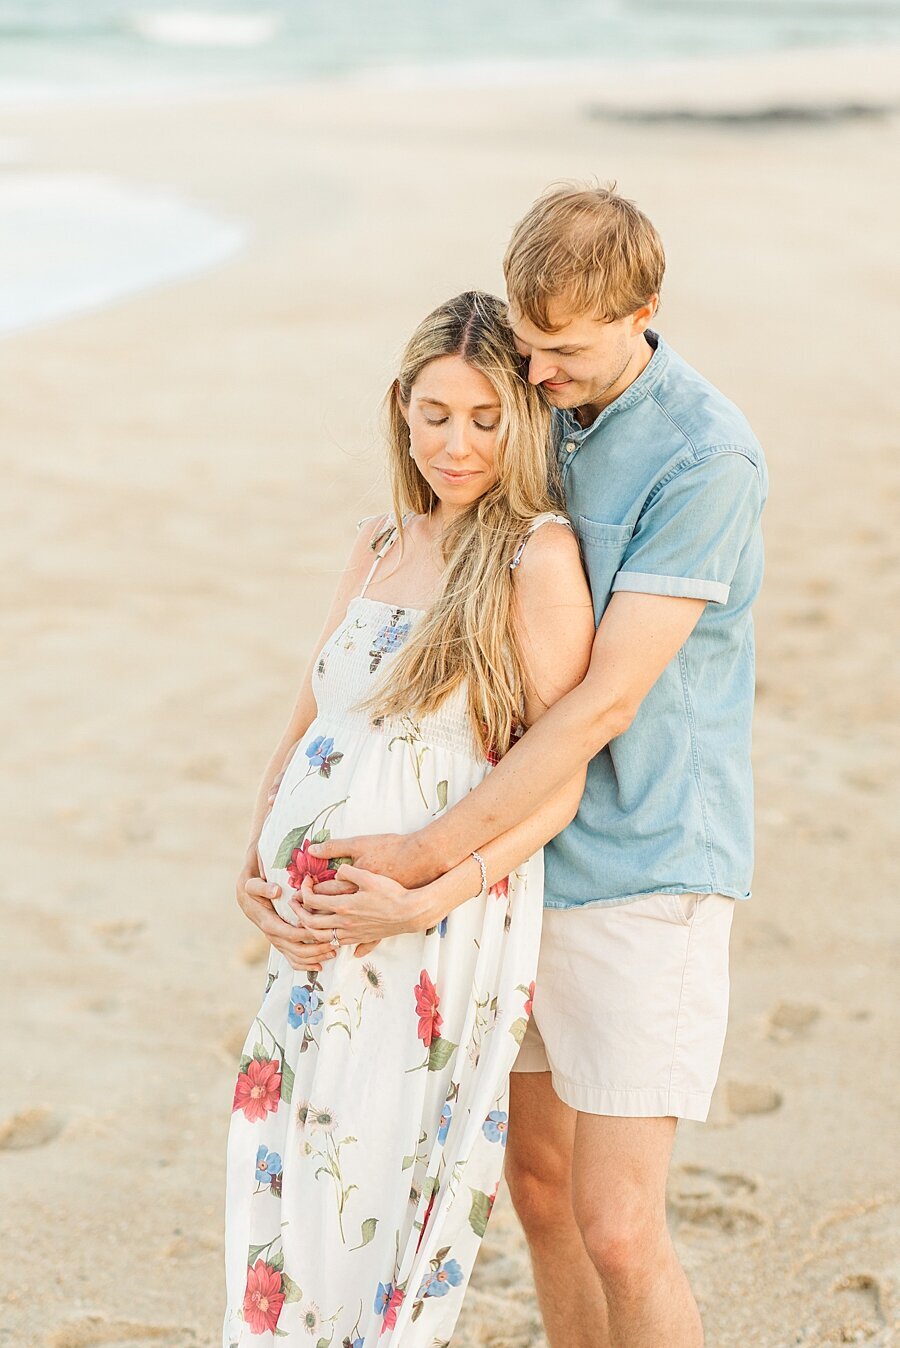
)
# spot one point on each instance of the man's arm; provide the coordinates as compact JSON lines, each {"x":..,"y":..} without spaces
{"x":637,"y":637}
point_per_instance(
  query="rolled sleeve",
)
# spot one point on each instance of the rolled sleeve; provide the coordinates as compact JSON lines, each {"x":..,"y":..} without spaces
{"x":690,"y":535}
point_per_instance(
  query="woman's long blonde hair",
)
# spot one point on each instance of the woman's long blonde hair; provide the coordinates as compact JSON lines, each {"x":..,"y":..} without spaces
{"x":469,"y":635}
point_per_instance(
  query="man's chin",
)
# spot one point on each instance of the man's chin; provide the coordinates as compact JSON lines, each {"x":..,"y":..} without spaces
{"x":565,"y":397}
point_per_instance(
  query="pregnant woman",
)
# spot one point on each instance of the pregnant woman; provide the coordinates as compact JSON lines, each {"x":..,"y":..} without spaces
{"x":369,"y":1115}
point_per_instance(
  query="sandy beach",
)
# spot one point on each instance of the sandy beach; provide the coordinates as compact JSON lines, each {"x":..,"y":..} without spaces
{"x":183,"y":471}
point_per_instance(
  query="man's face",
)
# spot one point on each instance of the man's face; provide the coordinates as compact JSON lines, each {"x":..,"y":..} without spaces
{"x":584,"y":359}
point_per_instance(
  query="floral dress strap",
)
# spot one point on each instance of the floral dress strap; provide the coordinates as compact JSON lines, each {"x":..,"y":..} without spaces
{"x":547,"y":518}
{"x":382,"y":540}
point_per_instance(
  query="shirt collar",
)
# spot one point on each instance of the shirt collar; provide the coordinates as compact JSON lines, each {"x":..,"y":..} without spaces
{"x":649,"y":376}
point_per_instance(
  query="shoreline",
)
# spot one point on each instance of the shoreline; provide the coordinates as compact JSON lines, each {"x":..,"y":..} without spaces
{"x":772,"y":90}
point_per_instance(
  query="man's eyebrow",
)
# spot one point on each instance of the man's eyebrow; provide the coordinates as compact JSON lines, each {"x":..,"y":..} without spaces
{"x":479,"y":407}
{"x":550,"y":350}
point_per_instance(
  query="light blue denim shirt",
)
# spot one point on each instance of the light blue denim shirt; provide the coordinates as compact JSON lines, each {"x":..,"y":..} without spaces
{"x":665,"y":491}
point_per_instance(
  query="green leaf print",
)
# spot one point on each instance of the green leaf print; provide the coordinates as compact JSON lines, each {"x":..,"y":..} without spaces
{"x":287,"y":1081}
{"x":276,"y":1261}
{"x":440,"y":1053}
{"x":323,"y":1343}
{"x":367,"y":1232}
{"x":442,"y":796}
{"x":321,"y":836}
{"x":289,"y":1287}
{"x":260,"y":1052}
{"x":407,"y":1162}
{"x":289,"y":842}
{"x":245,"y":1062}
{"x":479,"y":1212}
{"x":518,"y":1028}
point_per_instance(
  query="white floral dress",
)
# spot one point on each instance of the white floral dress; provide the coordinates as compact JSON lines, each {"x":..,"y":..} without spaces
{"x":370,"y":1112}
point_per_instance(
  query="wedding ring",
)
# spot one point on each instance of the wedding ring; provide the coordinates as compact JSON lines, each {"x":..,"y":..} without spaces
{"x":334,"y":939}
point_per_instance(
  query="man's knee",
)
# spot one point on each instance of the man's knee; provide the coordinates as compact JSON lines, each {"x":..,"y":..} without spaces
{"x":624,"y":1241}
{"x":540,"y":1185}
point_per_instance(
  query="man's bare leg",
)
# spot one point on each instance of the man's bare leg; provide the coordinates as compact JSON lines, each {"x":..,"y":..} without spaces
{"x":539,"y":1174}
{"x":619,"y":1198}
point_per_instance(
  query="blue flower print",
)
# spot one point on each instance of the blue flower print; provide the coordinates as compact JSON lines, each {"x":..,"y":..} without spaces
{"x":438,"y":1282}
{"x":444,"y":1128}
{"x":495,"y":1126}
{"x":304,"y":1007}
{"x":318,"y":750}
{"x":358,"y":1343}
{"x":268,"y":1165}
{"x":321,"y":755}
{"x":383,"y":1297}
{"x":390,"y":638}
{"x":442,"y":928}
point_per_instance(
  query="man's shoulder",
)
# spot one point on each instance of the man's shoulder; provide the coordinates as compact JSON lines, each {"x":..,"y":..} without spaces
{"x":700,"y":415}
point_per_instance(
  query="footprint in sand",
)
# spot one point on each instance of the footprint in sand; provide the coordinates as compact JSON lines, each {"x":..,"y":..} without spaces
{"x":256,"y":950}
{"x":117,"y":1333}
{"x":119,"y":935}
{"x":232,"y":1042}
{"x":712,"y":1200}
{"x":863,"y":1293}
{"x":29,"y":1128}
{"x":745,"y":1097}
{"x":204,"y":768}
{"x":789,"y":1020}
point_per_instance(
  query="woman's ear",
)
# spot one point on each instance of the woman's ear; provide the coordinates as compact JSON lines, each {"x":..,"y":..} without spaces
{"x":398,"y":398}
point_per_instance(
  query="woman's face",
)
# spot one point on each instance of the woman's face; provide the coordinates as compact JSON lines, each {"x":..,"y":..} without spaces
{"x":453,"y":417}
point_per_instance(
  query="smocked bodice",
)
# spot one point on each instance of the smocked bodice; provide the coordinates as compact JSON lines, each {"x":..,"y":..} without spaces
{"x":353,"y":662}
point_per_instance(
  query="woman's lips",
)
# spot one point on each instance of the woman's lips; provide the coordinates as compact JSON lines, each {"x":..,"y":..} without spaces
{"x":450,"y":476}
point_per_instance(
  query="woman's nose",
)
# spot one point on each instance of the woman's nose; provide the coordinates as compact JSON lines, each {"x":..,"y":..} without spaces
{"x":456,"y":445}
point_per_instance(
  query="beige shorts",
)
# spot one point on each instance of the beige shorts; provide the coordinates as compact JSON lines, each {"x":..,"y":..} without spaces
{"x":631,"y":1005}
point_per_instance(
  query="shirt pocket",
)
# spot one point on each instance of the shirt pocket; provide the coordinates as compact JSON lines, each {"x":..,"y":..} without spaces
{"x":603,"y":547}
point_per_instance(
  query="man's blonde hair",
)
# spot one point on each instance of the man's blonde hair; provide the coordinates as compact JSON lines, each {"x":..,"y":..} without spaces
{"x":587,"y":248}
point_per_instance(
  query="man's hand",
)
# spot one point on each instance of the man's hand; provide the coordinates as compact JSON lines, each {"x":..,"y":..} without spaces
{"x":376,"y":908}
{"x":255,"y":896}
{"x":402,"y":857}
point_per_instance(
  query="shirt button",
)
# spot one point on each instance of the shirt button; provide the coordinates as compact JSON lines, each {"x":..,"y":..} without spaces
{"x":569,"y":446}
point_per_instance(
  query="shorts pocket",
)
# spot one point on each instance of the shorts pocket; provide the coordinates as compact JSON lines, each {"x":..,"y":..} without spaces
{"x":683,"y":907}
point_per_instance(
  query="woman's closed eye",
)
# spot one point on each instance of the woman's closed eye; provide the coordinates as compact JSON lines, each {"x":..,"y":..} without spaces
{"x":441,"y":421}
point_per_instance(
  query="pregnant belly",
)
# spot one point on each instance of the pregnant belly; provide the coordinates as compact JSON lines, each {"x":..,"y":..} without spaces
{"x":343,"y":783}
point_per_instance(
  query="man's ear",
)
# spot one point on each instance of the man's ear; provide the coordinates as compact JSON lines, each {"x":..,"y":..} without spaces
{"x":643,"y":317}
{"x":404,"y":407}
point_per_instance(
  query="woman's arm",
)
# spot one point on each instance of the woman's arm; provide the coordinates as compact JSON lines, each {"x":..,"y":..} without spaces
{"x":254,"y":893}
{"x":556,"y":627}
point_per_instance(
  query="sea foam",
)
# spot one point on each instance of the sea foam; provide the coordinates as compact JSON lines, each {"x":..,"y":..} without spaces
{"x":196,"y":28}
{"x":73,"y":242}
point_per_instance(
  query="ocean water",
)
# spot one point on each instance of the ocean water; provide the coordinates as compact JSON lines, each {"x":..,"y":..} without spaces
{"x":53,"y":47}
{"x":71,"y":242}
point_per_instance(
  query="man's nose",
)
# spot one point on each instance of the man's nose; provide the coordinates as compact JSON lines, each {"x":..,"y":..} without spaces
{"x":539,"y":369}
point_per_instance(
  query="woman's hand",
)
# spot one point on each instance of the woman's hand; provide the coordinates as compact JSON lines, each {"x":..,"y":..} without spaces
{"x":376,"y":908}
{"x":255,"y":896}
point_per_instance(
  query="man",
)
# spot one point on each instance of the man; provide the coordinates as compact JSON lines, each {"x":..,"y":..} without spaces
{"x":665,"y":484}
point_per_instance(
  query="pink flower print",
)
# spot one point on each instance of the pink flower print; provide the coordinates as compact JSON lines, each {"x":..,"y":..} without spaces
{"x":302,"y":864}
{"x":258,"y":1090}
{"x":263,"y":1298}
{"x":427,"y":1002}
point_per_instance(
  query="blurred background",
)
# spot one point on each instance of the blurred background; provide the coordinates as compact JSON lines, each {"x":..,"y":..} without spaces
{"x":218,"y":224}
